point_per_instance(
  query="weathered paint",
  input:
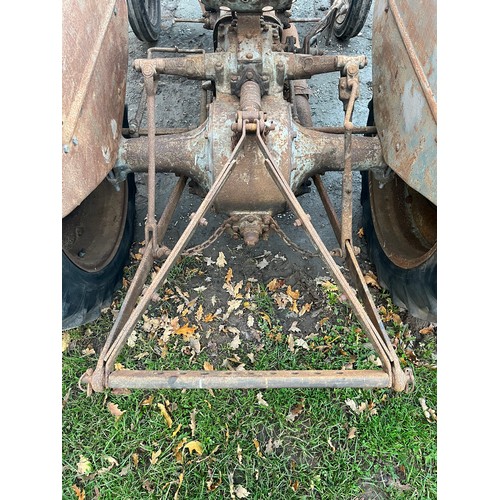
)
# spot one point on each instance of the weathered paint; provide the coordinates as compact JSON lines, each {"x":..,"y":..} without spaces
{"x":94,"y":71}
{"x":405,"y":89}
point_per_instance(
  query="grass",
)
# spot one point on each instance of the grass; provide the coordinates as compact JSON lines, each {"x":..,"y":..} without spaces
{"x":275,"y":443}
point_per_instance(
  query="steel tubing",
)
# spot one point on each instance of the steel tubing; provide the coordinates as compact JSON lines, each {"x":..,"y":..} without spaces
{"x":177,"y":379}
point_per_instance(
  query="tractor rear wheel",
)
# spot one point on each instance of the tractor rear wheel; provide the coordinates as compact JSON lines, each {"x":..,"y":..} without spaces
{"x":96,"y":240}
{"x":348,"y":25}
{"x":400,"y":228}
{"x":144,"y":17}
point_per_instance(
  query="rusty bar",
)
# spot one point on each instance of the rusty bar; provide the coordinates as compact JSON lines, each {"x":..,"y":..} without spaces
{"x":150,"y":229}
{"x":141,"y":274}
{"x":419,"y":71}
{"x":176,"y":251}
{"x":329,"y":208}
{"x":382,"y":349}
{"x":178,"y":379}
{"x":200,"y":20}
{"x":341,"y":130}
{"x":346,"y":227}
{"x":159,"y":131}
{"x":351,"y":261}
{"x":305,"y":20}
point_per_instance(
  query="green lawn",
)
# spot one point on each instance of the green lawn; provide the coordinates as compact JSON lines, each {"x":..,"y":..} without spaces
{"x":275,"y":443}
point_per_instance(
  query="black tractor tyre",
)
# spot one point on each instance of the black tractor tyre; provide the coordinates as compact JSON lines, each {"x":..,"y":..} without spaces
{"x":85,"y":292}
{"x":411,"y":275}
{"x":350,"y":24}
{"x":413,"y":289}
{"x":144,"y":17}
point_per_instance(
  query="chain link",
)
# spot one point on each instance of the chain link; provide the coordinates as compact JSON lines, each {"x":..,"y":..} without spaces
{"x":274,"y":224}
{"x":198,"y":249}
{"x":289,"y":242}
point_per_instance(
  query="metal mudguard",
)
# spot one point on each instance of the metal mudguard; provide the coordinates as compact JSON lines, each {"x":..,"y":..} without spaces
{"x":94,"y":73}
{"x":405,"y":89}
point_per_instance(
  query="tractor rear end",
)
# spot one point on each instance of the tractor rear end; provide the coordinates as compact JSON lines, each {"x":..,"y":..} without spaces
{"x":248,"y":158}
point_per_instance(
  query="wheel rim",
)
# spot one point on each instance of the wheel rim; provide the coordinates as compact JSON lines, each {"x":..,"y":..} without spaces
{"x":92,"y":233}
{"x":344,"y":10}
{"x":405,"y":222}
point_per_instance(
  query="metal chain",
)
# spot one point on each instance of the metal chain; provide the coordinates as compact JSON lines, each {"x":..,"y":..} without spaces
{"x":198,"y":249}
{"x":289,"y":242}
{"x":274,"y":224}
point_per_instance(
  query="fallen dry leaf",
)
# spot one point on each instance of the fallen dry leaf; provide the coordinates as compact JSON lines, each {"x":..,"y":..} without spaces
{"x":295,"y":294}
{"x":229,"y":275}
{"x":148,"y":401}
{"x":84,"y":467}
{"x":295,"y":485}
{"x":194,"y":446}
{"x":178,"y":451}
{"x":181,"y":479}
{"x":211,"y":486}
{"x":176,"y":430}
{"x":295,"y":411}
{"x":371,"y":279}
{"x":192,"y":425}
{"x":261,"y":400}
{"x":304,"y":309}
{"x":115,"y":411}
{"x":166,"y":416}
{"x":66,"y":339}
{"x":257,"y":447}
{"x":186,"y":330}
{"x":233,"y":305}
{"x":429,"y":413}
{"x":235,"y":343}
{"x":361,"y":232}
{"x":112,"y":462}
{"x":207,"y":366}
{"x":263,"y":263}
{"x":290,"y":342}
{"x":426,"y":331}
{"x":239,"y":453}
{"x":250,"y":321}
{"x":352,"y":433}
{"x":241,"y":492}
{"x":199,"y":313}
{"x":302,"y":343}
{"x":154,"y":456}
{"x":221,"y":260}
{"x":135,"y":459}
{"x":80,"y":494}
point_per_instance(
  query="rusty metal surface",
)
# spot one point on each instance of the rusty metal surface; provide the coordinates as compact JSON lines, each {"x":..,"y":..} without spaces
{"x":247,"y":5}
{"x":405,"y":89}
{"x":94,"y":70}
{"x":136,"y":379}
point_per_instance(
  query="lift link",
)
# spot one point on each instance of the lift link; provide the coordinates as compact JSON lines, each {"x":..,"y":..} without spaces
{"x":103,"y":376}
{"x":250,"y":119}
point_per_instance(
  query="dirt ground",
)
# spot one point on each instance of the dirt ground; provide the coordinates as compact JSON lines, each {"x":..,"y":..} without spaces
{"x":178,"y":106}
